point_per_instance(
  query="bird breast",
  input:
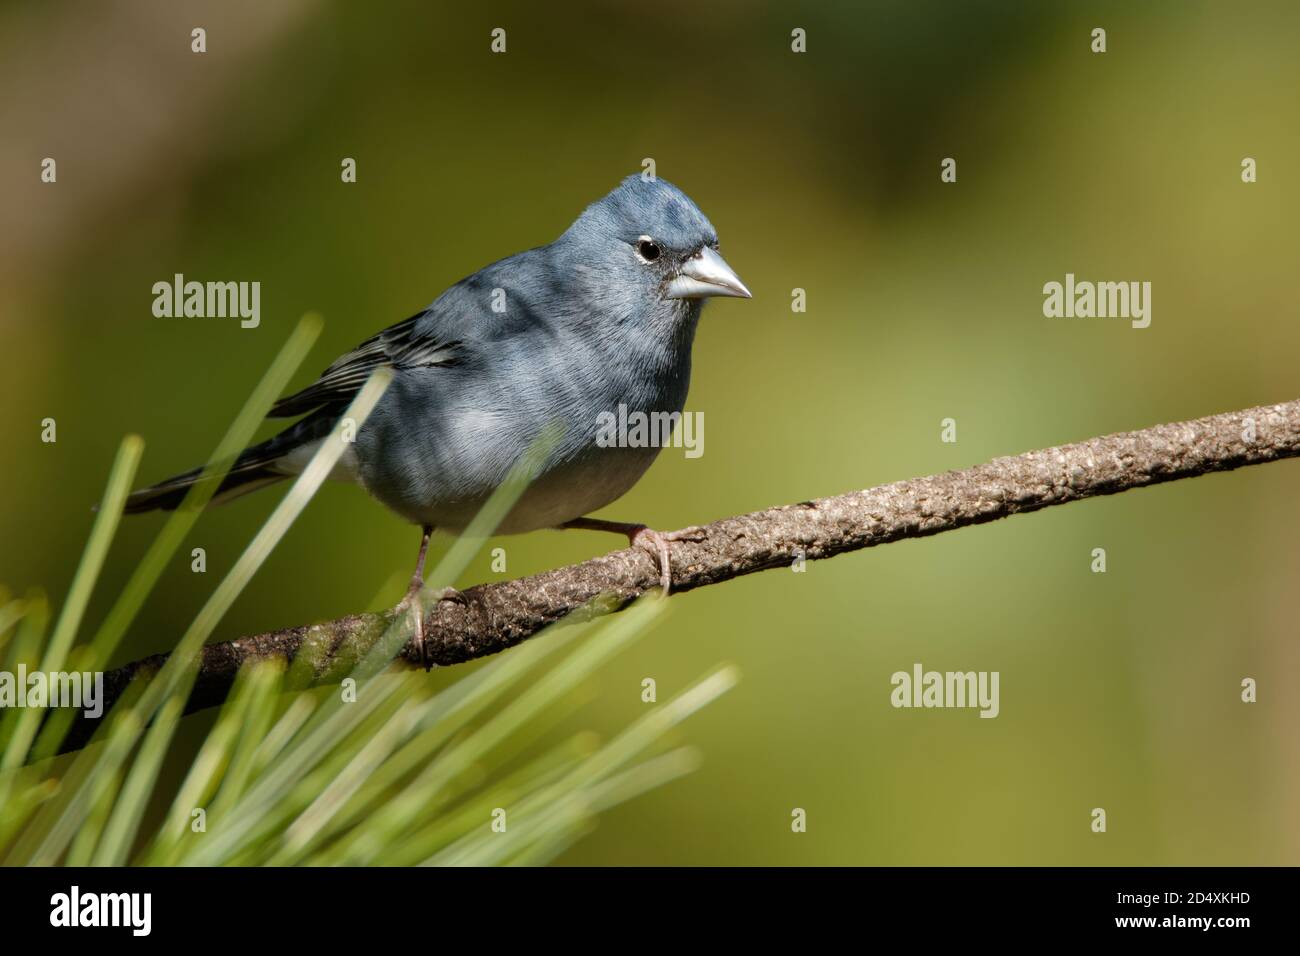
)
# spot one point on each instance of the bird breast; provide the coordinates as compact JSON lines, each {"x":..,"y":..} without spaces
{"x":442,"y":440}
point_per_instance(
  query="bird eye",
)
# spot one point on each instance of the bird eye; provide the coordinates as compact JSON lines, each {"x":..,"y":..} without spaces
{"x":647,"y":249}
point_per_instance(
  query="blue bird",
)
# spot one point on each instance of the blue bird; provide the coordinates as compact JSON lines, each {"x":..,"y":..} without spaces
{"x":555,"y":336}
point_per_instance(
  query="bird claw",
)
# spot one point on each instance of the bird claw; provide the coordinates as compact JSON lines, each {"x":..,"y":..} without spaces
{"x":657,"y":545}
{"x":640,"y":536}
{"x":414,"y":601}
{"x":656,"y":542}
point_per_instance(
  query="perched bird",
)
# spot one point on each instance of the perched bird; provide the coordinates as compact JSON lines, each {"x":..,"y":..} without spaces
{"x":549,"y":338}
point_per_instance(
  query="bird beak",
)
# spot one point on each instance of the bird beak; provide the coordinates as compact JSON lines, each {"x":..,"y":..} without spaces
{"x":706,"y":274}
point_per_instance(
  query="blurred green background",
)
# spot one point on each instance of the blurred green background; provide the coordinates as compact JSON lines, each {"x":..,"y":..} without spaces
{"x":820,"y":171}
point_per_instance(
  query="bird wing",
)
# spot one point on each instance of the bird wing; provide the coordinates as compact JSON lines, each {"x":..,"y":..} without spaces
{"x":399,"y":346}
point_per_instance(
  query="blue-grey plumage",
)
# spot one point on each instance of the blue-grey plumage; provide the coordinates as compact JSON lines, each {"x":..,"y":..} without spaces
{"x":603,"y":316}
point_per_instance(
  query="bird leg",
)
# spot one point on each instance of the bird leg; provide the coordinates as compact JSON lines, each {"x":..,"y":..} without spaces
{"x":638,"y":535}
{"x":414,"y":597}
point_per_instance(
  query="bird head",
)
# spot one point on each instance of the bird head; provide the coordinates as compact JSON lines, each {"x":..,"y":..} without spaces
{"x":648,"y":234}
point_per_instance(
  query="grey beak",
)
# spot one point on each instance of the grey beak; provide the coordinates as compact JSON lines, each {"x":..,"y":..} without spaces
{"x":706,"y":274}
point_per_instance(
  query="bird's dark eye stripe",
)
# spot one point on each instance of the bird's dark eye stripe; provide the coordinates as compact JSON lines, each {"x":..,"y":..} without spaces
{"x":648,"y":249}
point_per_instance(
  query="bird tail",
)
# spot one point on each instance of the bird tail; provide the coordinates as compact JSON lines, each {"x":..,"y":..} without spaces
{"x":167,"y":495}
{"x":256,"y":467}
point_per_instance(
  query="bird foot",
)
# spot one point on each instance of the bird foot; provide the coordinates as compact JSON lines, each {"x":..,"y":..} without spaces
{"x":415,"y":600}
{"x":656,"y":542}
{"x":639,"y":536}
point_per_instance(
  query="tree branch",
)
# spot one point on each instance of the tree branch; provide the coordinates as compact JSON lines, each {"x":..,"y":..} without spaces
{"x":498,"y":616}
